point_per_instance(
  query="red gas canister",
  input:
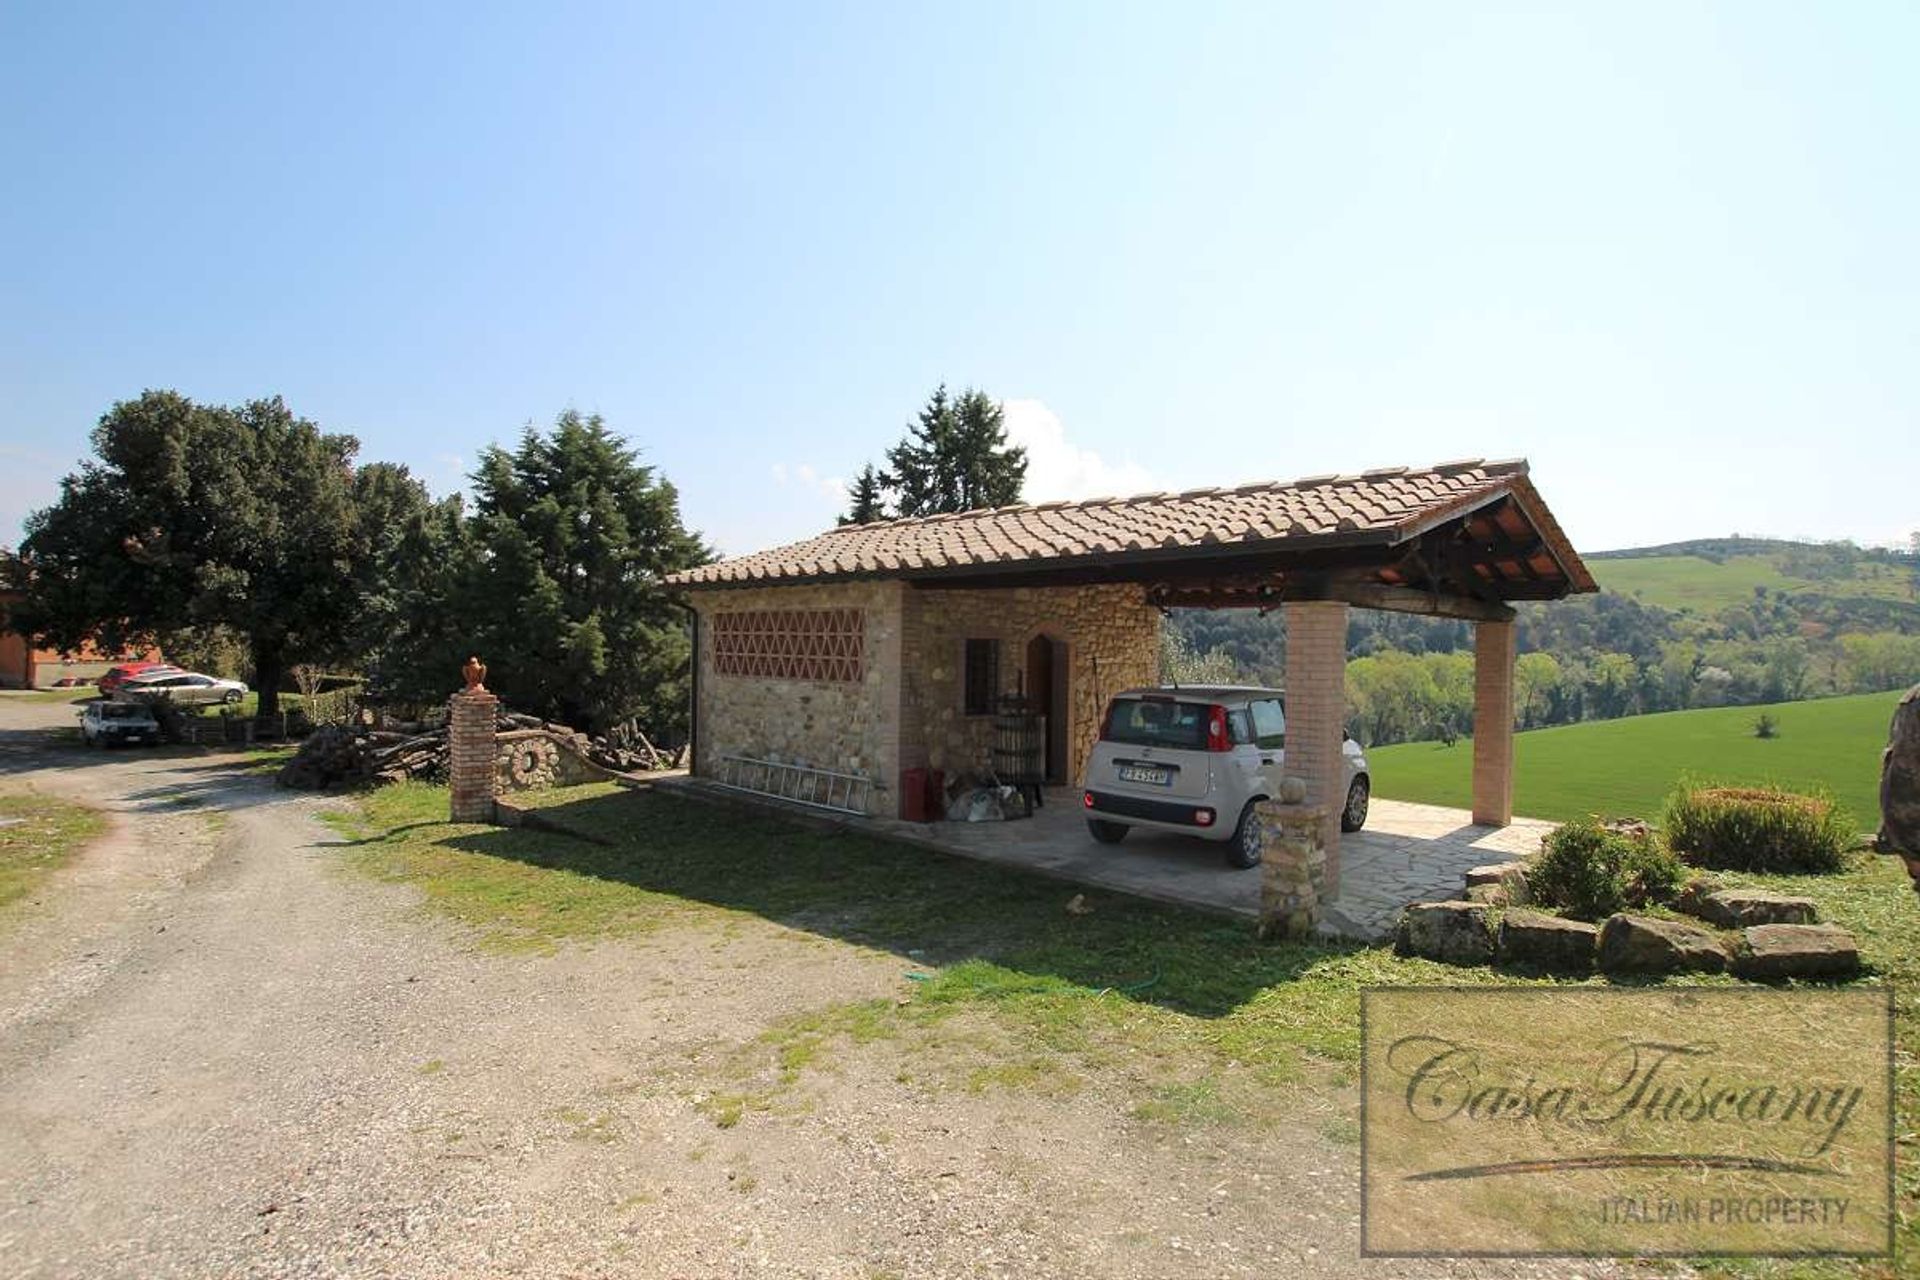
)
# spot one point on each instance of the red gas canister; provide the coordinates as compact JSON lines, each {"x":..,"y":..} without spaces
{"x":913,"y":795}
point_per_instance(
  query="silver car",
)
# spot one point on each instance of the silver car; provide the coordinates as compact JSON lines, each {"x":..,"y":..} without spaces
{"x":1194,"y":760}
{"x":182,"y":688}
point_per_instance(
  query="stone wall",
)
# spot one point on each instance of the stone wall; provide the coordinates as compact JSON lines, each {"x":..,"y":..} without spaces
{"x":907,"y":710}
{"x":845,"y":726}
{"x":535,"y":759}
{"x":1112,"y":640}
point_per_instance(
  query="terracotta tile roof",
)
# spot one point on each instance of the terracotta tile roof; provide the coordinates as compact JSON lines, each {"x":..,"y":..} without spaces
{"x":1373,"y":508}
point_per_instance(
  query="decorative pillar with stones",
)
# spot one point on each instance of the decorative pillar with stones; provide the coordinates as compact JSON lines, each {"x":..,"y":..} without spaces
{"x":471,"y":722}
{"x":1317,"y":715}
{"x":1493,"y":723}
{"x":1293,"y":863}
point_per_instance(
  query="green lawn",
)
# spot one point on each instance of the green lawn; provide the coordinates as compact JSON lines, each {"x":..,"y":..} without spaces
{"x":1187,"y":1011}
{"x":1693,"y":582}
{"x":1626,"y":768}
{"x":45,"y":834}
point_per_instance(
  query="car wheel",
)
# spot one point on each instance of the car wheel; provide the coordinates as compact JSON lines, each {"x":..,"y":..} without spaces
{"x":1243,"y":850}
{"x":1107,"y":832}
{"x":1354,"y":816}
{"x":233,"y":696}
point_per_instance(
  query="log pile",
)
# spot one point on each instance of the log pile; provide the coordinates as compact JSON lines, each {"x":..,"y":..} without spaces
{"x":337,"y":756}
{"x":627,"y":749}
{"x":368,"y":752}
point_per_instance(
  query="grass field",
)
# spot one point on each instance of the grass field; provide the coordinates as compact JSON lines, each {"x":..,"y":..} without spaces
{"x":37,"y":834}
{"x":1694,"y":582}
{"x":1186,"y":1012}
{"x":1625,"y":768}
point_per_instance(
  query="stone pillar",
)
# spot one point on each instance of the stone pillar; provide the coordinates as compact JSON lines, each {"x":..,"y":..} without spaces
{"x":470,"y":737}
{"x":1317,"y":715}
{"x":1900,"y":786}
{"x":1493,"y":723}
{"x":1293,"y":864}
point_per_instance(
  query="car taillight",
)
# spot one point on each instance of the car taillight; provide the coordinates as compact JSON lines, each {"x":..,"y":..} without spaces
{"x":1087,"y":799}
{"x":1217,"y":737}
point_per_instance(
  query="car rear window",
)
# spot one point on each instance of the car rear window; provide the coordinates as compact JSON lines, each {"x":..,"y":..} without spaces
{"x":1153,"y":722}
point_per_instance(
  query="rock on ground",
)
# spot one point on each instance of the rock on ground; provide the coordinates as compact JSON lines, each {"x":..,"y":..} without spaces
{"x":1900,"y":784}
{"x":1772,"y":951}
{"x":1646,"y":944}
{"x":1532,"y":937}
{"x":1509,"y":878}
{"x":1738,"y":908}
{"x":1453,"y":932}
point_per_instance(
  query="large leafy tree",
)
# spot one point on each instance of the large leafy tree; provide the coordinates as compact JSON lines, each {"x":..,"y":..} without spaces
{"x":955,"y":457}
{"x":554,"y":580}
{"x":201,"y":516}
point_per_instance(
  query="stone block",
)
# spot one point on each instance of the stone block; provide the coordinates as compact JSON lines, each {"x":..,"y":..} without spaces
{"x":1900,"y":784}
{"x":1738,"y":908}
{"x":1509,"y":877}
{"x":1694,"y":892}
{"x":1773,"y":951}
{"x":1452,"y":932}
{"x":1549,"y":942}
{"x":1648,"y":944}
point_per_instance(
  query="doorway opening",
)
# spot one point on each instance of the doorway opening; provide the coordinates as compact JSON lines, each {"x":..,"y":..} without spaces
{"x":1047,"y":680}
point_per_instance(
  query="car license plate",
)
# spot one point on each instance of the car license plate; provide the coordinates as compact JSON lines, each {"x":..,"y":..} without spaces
{"x":1147,"y":774}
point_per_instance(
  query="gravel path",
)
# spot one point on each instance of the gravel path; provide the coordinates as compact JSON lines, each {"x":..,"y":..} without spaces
{"x":223,"y":1054}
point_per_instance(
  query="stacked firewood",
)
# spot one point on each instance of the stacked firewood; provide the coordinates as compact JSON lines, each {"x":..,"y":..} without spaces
{"x":626,"y":748}
{"x":368,"y":751}
{"x":336,"y":756}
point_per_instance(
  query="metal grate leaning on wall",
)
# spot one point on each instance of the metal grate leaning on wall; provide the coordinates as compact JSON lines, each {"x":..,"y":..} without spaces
{"x":791,"y":644}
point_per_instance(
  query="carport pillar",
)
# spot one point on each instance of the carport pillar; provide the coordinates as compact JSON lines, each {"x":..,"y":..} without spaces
{"x":1317,"y":715}
{"x":1493,"y":645}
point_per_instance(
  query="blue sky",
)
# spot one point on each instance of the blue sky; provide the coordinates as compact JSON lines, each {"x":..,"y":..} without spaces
{"x":1666,"y":251}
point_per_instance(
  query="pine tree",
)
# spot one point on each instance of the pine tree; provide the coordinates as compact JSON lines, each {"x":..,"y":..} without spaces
{"x":987,"y":472}
{"x":869,"y":498}
{"x":955,"y":457}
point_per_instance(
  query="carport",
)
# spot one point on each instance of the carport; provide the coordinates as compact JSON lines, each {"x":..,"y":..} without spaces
{"x":826,"y":669}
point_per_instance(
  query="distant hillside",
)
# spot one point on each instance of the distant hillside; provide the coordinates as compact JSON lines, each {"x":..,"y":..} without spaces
{"x":1725,"y":622}
{"x":1626,"y":768}
{"x":1713,"y":573}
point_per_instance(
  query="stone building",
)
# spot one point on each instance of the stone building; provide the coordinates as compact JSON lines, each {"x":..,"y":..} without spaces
{"x":874,"y":649}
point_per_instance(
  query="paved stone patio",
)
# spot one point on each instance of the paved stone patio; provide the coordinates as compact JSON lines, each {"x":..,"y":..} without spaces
{"x":1406,"y":853}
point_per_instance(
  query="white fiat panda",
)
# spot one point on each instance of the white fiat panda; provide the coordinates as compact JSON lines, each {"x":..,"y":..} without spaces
{"x":1194,"y":759}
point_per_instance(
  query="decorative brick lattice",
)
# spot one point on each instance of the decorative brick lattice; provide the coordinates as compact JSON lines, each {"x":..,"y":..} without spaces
{"x":791,"y":644}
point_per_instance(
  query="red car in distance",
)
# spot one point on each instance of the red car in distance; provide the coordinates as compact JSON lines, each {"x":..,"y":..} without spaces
{"x":119,"y":675}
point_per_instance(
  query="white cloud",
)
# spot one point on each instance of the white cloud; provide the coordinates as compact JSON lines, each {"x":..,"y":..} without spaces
{"x":803,"y":476}
{"x":1058,"y":468}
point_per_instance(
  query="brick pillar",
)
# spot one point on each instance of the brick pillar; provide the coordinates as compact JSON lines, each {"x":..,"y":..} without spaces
{"x":470,"y":731}
{"x":1493,"y":723}
{"x":1317,"y":716}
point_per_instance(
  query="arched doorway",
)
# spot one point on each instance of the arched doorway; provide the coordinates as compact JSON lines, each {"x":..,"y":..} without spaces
{"x":1047,"y":677}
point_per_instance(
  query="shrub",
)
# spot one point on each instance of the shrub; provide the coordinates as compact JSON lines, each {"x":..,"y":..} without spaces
{"x":1765,"y":726}
{"x":1589,"y":871}
{"x":1758,"y":829}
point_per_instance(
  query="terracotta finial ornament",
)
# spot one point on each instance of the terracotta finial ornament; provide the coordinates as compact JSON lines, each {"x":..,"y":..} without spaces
{"x":475,"y":672}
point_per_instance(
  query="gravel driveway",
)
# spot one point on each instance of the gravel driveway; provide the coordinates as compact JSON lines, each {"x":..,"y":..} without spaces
{"x":224,"y":1054}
